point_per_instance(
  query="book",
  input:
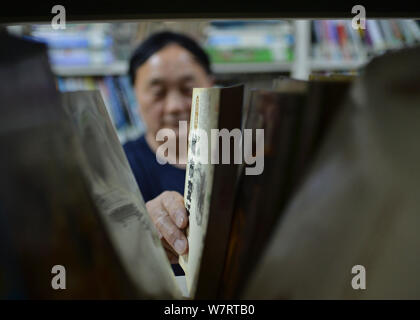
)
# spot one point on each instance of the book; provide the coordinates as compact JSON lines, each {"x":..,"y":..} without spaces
{"x":295,"y":115}
{"x":116,"y":104}
{"x":47,"y":216}
{"x":119,"y":99}
{"x":378,"y":41}
{"x":117,"y":196}
{"x":108,"y":207}
{"x":209,"y":187}
{"x":358,"y":208}
{"x":68,"y":195}
{"x":132,"y":102}
{"x":325,"y":97}
{"x":260,"y":197}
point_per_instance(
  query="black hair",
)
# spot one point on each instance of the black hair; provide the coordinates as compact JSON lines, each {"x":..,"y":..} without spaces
{"x":158,"y":41}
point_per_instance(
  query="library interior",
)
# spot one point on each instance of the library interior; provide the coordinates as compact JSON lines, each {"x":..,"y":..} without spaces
{"x":104,"y":195}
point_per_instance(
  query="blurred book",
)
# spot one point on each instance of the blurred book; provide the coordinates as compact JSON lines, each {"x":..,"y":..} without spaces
{"x":120,"y":101}
{"x":358,"y":206}
{"x":116,"y":194}
{"x":294,"y":115}
{"x":337,"y":41}
{"x":50,"y":213}
{"x":265,"y":41}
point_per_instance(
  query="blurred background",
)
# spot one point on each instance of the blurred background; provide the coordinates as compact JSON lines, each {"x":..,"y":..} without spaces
{"x":89,"y":56}
{"x":95,"y":55}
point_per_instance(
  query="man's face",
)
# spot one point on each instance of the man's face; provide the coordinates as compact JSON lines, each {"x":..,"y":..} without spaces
{"x":164,"y":86}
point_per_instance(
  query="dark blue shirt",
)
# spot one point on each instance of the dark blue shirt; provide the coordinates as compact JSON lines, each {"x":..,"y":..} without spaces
{"x":152,"y":177}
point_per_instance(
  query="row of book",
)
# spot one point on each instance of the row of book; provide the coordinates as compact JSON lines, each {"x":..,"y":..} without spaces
{"x":78,"y":44}
{"x":249,"y":41}
{"x":337,"y":40}
{"x":68,"y":197}
{"x":119,"y":99}
{"x":339,"y":189}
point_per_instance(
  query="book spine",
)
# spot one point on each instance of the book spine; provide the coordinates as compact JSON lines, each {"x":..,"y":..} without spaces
{"x":396,"y":33}
{"x":408,"y":36}
{"x":414,"y":27}
{"x":89,"y":83}
{"x":321,"y":50}
{"x":327,"y":40}
{"x":106,"y":97}
{"x":115,"y":103}
{"x":61,"y":84}
{"x":343,"y":40}
{"x":359,"y":49}
{"x":377,"y":39}
{"x":388,"y":34}
{"x":396,"y":30}
{"x":132,"y":102}
{"x":122,"y":101}
{"x":334,"y":39}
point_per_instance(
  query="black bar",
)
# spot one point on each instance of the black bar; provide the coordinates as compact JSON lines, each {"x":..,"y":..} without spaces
{"x":124,"y":10}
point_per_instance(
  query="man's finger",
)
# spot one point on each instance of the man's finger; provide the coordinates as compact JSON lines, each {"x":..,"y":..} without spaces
{"x":173,"y":259}
{"x":173,"y":202}
{"x":166,"y":246}
{"x":172,"y":234}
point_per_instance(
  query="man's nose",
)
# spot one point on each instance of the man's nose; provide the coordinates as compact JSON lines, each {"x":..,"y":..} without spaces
{"x":175,"y":103}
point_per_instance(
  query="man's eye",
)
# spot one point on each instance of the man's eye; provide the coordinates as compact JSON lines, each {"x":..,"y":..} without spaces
{"x":158,"y":93}
{"x":187,"y":90}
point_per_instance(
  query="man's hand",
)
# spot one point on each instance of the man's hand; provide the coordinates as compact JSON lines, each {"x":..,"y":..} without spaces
{"x":169,"y":216}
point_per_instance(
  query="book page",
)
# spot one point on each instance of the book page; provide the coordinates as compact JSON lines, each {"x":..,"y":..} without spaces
{"x":198,"y":180}
{"x":116,"y":193}
{"x":48,"y":217}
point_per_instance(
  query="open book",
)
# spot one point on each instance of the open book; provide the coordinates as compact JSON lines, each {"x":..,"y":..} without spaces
{"x":210,"y":185}
{"x":68,"y":195}
{"x":209,"y":192}
{"x":118,"y":198}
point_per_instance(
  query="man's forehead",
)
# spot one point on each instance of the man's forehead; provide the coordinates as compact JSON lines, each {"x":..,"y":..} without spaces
{"x":170,"y":54}
{"x":172,"y":63}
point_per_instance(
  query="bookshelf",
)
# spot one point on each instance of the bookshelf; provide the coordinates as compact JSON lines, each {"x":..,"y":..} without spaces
{"x":121,"y":67}
{"x":322,"y":65}
{"x":379,"y":37}
{"x":305,"y":64}
{"x":239,"y":50}
{"x":115,"y":68}
{"x":300,"y":68}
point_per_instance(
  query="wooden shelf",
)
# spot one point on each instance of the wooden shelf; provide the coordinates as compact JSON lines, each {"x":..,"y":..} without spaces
{"x":116,"y":68}
{"x":119,"y":68}
{"x":254,"y":67}
{"x":326,"y":65}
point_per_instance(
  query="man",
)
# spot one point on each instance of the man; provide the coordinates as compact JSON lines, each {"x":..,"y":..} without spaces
{"x":164,"y":69}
